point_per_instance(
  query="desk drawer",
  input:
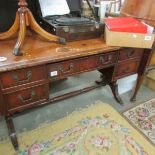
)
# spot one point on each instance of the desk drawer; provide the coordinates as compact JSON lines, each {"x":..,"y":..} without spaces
{"x":129,"y":53}
{"x":22,"y":76}
{"x":71,"y":67}
{"x":63,"y":69}
{"x":99,"y":61}
{"x":126,"y":68}
{"x":26,"y":98}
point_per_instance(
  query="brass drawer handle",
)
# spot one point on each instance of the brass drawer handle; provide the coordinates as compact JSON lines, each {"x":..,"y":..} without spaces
{"x":126,"y":70}
{"x":30,"y":99}
{"x":71,"y":66}
{"x":103,"y":61}
{"x":27,"y":79}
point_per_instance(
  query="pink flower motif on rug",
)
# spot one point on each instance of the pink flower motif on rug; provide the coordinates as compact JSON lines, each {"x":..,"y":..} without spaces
{"x":145,"y":124}
{"x":101,"y":142}
{"x":143,"y":118}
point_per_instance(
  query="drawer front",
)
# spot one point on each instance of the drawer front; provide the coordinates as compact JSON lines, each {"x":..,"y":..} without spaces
{"x":129,"y":53}
{"x":99,"y":61}
{"x":22,"y":76}
{"x":62,"y":69}
{"x":26,"y":98}
{"x":126,"y":68}
{"x":71,"y":67}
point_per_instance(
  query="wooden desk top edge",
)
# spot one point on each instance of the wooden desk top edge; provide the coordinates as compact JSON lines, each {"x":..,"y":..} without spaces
{"x":37,"y":52}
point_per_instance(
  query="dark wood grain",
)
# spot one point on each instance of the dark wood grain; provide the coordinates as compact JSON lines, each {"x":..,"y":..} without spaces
{"x":22,"y":76}
{"x":130,"y":53}
{"x":80,"y":65}
{"x":126,"y":68}
{"x":26,"y":98}
{"x":25,"y":80}
{"x":37,"y":51}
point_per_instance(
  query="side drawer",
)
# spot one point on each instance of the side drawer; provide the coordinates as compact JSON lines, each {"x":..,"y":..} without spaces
{"x":126,"y":68}
{"x":130,"y":53}
{"x":26,"y":98}
{"x":22,"y":76}
{"x":72,"y":67}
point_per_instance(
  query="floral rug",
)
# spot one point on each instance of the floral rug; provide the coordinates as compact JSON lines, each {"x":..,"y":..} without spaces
{"x":96,"y":130}
{"x":143,"y":118}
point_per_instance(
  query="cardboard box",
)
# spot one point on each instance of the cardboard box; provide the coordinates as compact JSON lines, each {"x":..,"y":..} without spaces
{"x":126,"y":39}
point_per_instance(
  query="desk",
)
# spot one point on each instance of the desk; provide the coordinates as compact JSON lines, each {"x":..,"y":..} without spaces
{"x":24,"y":80}
{"x":152,"y":61}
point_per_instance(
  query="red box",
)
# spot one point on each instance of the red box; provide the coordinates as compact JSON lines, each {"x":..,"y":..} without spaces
{"x":125,"y":24}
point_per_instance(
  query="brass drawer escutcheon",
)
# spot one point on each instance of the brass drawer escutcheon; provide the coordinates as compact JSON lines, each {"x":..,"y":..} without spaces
{"x":61,"y":69}
{"x":27,"y":79}
{"x":28,"y":100}
{"x":104,"y":61}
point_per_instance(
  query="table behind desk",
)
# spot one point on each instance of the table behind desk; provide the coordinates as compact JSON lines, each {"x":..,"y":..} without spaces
{"x":24,"y":80}
{"x":152,"y":61}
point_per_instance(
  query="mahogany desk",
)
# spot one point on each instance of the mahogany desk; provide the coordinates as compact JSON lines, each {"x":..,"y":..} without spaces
{"x":24,"y":80}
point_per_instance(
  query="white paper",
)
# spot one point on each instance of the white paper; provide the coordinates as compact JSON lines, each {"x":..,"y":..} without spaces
{"x":54,"y":73}
{"x":53,"y":7}
{"x":148,"y":38}
{"x":3,"y":59}
{"x":150,"y":29}
{"x":102,"y":9}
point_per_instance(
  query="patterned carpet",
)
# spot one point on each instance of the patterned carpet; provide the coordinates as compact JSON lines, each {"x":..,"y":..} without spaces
{"x":143,"y":118}
{"x":96,"y":130}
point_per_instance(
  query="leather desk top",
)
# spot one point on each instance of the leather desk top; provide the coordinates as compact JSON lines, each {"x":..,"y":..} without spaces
{"x":37,"y":51}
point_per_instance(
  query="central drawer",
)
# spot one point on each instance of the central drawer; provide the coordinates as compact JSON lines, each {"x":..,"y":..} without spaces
{"x":75,"y":66}
{"x":27,"y":98}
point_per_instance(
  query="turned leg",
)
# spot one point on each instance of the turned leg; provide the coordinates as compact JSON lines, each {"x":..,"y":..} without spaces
{"x":138,"y":85}
{"x":114,"y":88}
{"x":12,"y":132}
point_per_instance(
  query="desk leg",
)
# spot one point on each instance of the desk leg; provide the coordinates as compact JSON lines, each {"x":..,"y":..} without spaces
{"x":138,"y":85}
{"x":142,"y":70}
{"x":12,"y":132}
{"x":114,"y":87}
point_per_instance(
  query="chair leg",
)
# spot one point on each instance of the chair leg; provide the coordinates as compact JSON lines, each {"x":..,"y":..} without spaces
{"x":35,"y":26}
{"x":21,"y":35}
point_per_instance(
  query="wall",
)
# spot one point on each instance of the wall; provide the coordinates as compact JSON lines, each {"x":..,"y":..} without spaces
{"x":8,"y":10}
